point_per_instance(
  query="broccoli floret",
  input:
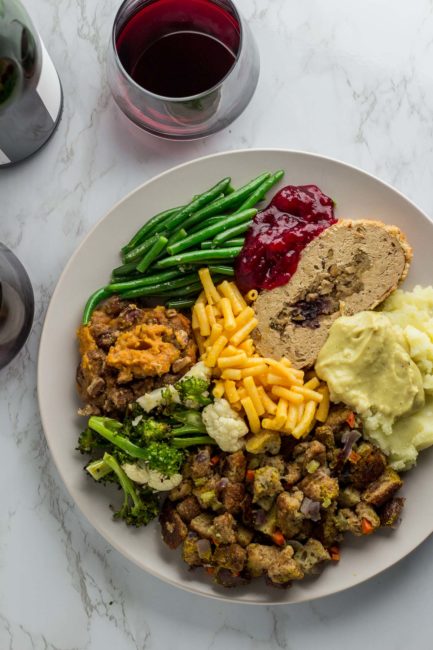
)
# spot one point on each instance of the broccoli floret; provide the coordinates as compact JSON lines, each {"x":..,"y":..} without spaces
{"x":89,"y":441}
{"x":139,"y":506}
{"x":193,"y":392}
{"x":151,"y":429}
{"x":110,"y":430}
{"x":134,"y":410}
{"x":191,"y":420}
{"x":163,"y":458}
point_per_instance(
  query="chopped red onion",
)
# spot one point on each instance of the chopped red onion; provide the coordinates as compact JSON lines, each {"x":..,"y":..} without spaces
{"x":204,"y":549}
{"x":310,"y":509}
{"x":202,"y":456}
{"x":259,"y":517}
{"x":349,"y":437}
{"x":222,"y":483}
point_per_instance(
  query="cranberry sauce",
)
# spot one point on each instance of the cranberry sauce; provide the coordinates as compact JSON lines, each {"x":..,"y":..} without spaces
{"x":278,"y":235}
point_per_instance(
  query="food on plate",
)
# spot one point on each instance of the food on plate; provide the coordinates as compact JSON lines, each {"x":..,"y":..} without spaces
{"x":381,"y":364}
{"x":143,"y":453}
{"x":350,"y":267}
{"x":270,"y":393}
{"x":127,"y":350}
{"x":197,"y":371}
{"x":160,"y":260}
{"x":280,"y":514}
{"x":278,"y":235}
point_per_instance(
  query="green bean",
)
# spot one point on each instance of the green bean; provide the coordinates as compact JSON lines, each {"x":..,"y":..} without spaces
{"x":199,"y":257}
{"x":177,"y":236}
{"x":207,"y":222}
{"x":262,"y":190}
{"x":147,"y":281}
{"x":189,"y":290}
{"x":164,"y":292}
{"x":239,"y":241}
{"x":230,"y":233}
{"x":125,"y":269}
{"x":152,"y":254}
{"x":138,"y":252}
{"x":93,"y":301}
{"x":126,"y":278}
{"x":180,"y":303}
{"x":197,"y":204}
{"x":208,"y":245}
{"x":227,"y":202}
{"x":158,"y":287}
{"x":222,"y":270}
{"x":149,"y":228}
{"x":211,"y":231}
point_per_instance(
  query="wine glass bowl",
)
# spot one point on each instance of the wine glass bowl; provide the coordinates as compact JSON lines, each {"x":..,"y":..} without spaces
{"x":16,"y":305}
{"x":182,"y":69}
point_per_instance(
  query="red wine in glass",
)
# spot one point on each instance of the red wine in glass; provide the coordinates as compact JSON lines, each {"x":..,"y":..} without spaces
{"x":182,"y":68}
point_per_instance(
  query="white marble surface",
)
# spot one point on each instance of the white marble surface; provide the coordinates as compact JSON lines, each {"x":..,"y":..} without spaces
{"x":348,"y":79}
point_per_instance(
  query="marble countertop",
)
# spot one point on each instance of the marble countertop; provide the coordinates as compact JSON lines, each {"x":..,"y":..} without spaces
{"x":352,"y":80}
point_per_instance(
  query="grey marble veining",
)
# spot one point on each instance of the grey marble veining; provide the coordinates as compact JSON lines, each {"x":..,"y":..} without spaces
{"x":347,"y":79}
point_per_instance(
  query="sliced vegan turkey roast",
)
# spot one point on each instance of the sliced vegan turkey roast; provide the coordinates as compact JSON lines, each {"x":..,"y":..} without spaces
{"x":352,"y":266}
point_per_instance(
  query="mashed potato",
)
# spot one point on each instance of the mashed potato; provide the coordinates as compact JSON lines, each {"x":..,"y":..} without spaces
{"x":412,"y":313}
{"x":381,"y":365}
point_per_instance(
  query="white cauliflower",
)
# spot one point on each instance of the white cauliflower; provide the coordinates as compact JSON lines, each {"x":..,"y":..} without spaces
{"x":224,"y":425}
{"x":150,"y":401}
{"x":140,"y":473}
{"x":199,"y":370}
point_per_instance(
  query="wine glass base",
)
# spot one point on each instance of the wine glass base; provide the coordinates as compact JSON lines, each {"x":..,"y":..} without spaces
{"x":17,"y":305}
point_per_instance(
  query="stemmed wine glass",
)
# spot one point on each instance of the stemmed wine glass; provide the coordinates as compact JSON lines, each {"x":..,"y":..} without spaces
{"x":16,"y":305}
{"x":182,"y":69}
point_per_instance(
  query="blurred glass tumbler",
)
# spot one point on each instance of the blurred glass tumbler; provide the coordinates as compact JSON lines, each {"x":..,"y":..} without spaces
{"x":182,"y":69}
{"x":30,"y":90}
{"x":16,"y":305}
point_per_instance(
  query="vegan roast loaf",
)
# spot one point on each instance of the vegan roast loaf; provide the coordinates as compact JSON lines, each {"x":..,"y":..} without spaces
{"x":350,"y":267}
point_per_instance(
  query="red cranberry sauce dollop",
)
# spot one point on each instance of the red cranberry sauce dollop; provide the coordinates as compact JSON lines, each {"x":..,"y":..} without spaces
{"x":278,"y":235}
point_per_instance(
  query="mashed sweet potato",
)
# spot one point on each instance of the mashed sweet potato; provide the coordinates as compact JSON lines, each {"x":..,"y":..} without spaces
{"x":127,"y":350}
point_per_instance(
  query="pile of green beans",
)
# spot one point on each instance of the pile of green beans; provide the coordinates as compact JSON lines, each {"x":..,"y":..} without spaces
{"x":163,"y":257}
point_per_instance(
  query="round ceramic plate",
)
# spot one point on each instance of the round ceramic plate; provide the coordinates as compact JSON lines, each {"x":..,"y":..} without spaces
{"x":358,"y":195}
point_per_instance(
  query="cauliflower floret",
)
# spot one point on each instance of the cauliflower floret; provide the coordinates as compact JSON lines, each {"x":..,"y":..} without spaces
{"x":200,"y":371}
{"x":224,"y":425}
{"x":150,"y":401}
{"x":140,"y":473}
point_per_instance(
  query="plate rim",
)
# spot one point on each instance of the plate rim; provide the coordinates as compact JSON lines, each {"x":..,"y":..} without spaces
{"x":108,"y":538}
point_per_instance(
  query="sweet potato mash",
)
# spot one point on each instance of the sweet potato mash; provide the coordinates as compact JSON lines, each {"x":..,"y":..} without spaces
{"x":127,"y":350}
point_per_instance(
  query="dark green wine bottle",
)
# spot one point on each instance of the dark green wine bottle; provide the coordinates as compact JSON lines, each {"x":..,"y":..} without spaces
{"x":30,"y":91}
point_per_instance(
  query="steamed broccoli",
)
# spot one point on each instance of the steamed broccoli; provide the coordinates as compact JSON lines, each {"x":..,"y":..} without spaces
{"x":147,"y":429}
{"x":139,"y":506}
{"x":191,"y":420}
{"x":151,"y":429}
{"x":163,"y":457}
{"x":99,"y":470}
{"x":193,"y":392}
{"x":155,"y":445}
{"x":89,"y":441}
{"x":155,"y":453}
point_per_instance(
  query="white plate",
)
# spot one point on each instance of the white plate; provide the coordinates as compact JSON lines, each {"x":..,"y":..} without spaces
{"x":357,"y":195}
